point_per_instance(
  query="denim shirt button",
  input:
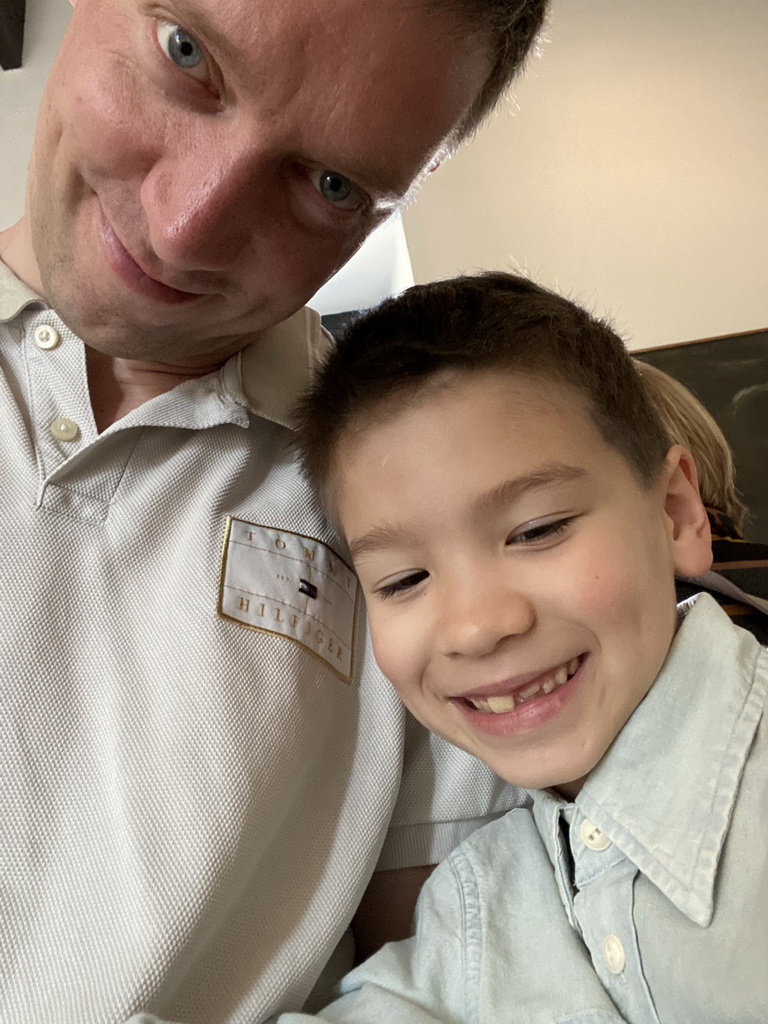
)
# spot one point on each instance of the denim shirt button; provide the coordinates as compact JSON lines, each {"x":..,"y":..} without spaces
{"x":592,"y":837}
{"x":613,"y":953}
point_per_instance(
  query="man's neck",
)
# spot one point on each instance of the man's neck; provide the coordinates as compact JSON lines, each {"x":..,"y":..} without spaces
{"x":117,"y":386}
{"x":16,"y":253}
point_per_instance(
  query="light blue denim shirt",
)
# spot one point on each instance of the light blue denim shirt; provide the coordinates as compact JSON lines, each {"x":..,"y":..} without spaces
{"x":645,"y":901}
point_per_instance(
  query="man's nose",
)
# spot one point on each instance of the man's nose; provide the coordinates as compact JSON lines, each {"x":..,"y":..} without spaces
{"x":477,"y":616}
{"x":203,"y":207}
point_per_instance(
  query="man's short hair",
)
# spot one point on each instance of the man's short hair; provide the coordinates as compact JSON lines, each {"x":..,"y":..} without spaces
{"x":510,"y":28}
{"x":494,"y":321}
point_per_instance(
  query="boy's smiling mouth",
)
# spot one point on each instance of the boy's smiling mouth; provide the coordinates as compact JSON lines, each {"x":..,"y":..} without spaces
{"x":546,"y":683}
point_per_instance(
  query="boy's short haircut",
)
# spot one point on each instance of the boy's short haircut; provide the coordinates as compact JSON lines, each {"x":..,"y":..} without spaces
{"x":387,"y":357}
{"x":688,"y":423}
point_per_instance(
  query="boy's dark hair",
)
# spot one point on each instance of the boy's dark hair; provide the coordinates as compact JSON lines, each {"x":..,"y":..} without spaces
{"x":491,"y":321}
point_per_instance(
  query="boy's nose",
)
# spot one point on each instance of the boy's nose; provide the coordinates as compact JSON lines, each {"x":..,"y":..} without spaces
{"x":475,"y":619}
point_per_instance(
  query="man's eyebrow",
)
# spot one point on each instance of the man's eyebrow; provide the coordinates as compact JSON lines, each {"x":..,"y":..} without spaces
{"x":388,"y":190}
{"x":550,"y":475}
{"x":389,"y":535}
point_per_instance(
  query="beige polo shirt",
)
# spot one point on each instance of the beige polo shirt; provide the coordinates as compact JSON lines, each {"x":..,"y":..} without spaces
{"x":199,"y":762}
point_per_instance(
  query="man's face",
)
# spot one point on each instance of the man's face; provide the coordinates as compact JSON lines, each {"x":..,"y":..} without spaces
{"x":202,"y":166}
{"x":519,"y":578}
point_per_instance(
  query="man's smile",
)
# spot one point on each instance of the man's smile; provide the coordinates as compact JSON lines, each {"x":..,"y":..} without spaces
{"x":123,"y":264}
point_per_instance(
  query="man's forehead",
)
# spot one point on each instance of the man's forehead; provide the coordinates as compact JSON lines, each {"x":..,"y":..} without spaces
{"x":320,"y":28}
{"x":381,"y":83}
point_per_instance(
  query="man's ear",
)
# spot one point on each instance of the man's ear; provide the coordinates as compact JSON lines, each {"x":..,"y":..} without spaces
{"x":688,"y":521}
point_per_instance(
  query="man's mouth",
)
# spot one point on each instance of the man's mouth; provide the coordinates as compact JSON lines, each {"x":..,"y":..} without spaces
{"x":133,"y":274}
{"x":500,"y":704}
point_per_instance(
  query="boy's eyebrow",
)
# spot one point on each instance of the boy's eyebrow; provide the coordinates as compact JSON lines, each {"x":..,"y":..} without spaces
{"x":511,"y":490}
{"x":378,"y":538}
{"x":386,"y":536}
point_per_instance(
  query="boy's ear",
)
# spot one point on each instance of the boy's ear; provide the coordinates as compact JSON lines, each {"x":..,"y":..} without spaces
{"x":688,"y":521}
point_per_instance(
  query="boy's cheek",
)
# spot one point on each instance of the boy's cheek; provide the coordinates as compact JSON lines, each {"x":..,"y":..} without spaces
{"x":622,"y":568}
{"x":392,"y":651}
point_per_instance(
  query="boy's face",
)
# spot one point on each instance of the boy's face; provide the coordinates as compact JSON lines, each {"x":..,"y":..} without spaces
{"x":519,"y":578}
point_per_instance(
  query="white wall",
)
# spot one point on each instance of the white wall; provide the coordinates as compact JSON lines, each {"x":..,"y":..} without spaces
{"x":381,"y":267}
{"x":634,"y":175}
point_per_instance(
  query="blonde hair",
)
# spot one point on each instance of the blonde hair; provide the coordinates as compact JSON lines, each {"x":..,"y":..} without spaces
{"x":688,"y":423}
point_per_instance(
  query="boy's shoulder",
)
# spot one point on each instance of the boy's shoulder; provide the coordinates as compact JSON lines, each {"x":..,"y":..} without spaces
{"x":697,"y":726}
{"x":711,"y":646}
{"x":741,"y":590}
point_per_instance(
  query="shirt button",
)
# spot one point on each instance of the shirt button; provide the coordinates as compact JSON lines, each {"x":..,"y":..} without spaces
{"x":64,"y":429}
{"x":592,"y":837}
{"x":46,"y":337}
{"x":613,"y":952}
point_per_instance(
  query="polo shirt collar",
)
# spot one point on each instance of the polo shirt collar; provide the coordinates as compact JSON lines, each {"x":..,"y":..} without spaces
{"x":269,"y":375}
{"x":665,"y":791}
{"x":14,"y":294}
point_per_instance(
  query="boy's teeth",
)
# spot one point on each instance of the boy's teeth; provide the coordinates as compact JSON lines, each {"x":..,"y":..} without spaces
{"x":529,"y":691}
{"x":498,"y":705}
{"x":506,"y":702}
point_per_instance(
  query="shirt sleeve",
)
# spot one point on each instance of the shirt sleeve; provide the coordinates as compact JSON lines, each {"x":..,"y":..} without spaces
{"x":420,"y":980}
{"x":445,"y":795}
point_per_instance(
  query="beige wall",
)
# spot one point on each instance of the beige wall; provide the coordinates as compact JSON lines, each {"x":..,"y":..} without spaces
{"x":634,"y":175}
{"x":20,"y":93}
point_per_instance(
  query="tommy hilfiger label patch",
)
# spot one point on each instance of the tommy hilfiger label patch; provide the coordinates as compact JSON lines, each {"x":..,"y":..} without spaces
{"x":292,"y":586}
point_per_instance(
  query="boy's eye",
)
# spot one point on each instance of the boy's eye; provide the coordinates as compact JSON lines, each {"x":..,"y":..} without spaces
{"x":530,"y":534}
{"x":337,"y":189}
{"x":182,"y":49}
{"x":402,"y":584}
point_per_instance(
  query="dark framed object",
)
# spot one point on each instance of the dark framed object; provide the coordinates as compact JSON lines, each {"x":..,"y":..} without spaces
{"x":729,"y":375}
{"x":11,"y":33}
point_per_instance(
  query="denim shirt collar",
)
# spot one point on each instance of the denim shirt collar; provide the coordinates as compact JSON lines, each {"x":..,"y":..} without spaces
{"x":665,"y":790}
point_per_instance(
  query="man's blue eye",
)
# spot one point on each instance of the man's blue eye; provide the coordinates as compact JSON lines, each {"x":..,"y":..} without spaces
{"x":337,"y":189}
{"x":334,"y":186}
{"x":181,"y":47}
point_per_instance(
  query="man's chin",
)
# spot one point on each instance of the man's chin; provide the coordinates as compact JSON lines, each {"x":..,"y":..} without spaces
{"x":122,"y":325}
